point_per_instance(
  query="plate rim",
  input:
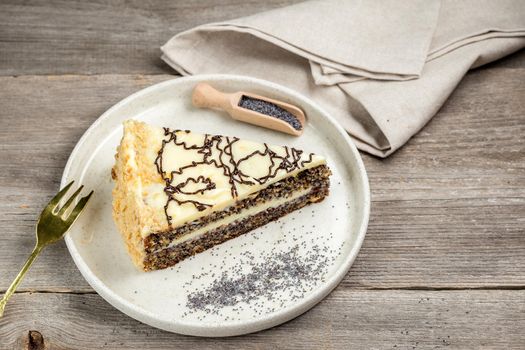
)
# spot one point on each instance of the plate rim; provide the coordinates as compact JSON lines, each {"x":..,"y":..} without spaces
{"x":236,"y":327}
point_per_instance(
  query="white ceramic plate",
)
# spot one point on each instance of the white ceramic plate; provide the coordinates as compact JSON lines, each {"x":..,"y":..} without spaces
{"x":329,"y":233}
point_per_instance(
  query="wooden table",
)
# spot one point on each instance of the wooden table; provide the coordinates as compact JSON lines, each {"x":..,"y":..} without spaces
{"x":443,"y":262}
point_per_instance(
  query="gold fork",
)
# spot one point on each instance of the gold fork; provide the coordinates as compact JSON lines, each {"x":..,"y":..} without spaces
{"x":52,"y":225}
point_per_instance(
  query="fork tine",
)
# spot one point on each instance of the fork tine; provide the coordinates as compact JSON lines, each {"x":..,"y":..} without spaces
{"x":56,"y":199}
{"x":78,"y":209}
{"x":69,"y":201}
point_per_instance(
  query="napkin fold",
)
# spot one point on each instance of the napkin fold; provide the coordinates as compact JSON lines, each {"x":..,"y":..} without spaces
{"x":381,"y":68}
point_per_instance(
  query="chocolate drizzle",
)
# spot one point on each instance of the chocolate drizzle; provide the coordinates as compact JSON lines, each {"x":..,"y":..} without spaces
{"x":218,"y":151}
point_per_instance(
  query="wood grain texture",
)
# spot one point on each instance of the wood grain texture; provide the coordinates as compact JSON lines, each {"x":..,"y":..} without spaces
{"x":344,"y":320}
{"x":442,"y":265}
{"x":89,"y":37}
{"x":94,"y":37}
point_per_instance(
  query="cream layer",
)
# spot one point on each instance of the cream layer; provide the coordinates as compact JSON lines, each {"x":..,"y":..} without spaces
{"x":243,"y":214}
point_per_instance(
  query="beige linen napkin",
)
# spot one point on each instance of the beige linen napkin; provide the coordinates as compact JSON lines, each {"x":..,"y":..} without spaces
{"x":381,"y":68}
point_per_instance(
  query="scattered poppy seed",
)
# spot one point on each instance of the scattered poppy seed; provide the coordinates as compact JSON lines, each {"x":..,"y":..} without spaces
{"x":290,"y":271}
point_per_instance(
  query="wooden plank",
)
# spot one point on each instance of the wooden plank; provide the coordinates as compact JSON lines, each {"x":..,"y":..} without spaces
{"x":89,"y":37}
{"x":63,"y":37}
{"x":447,"y":209}
{"x":469,"y":319}
{"x":452,"y":200}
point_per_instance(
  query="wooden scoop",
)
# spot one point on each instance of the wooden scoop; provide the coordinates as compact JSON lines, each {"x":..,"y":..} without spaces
{"x":205,"y":96}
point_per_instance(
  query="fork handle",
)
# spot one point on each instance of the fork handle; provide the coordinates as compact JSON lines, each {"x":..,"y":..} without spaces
{"x":18,"y":279}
